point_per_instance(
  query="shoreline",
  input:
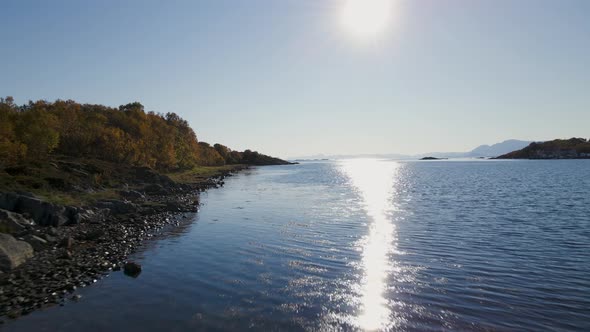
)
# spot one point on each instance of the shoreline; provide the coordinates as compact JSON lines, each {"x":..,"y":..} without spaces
{"x":77,"y":255}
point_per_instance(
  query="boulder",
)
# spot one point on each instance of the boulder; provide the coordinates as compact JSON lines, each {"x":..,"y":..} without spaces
{"x":13,"y":222}
{"x":13,"y":252}
{"x":132,"y":269}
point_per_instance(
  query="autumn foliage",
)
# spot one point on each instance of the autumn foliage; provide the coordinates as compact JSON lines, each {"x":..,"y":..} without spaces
{"x":127,"y":134}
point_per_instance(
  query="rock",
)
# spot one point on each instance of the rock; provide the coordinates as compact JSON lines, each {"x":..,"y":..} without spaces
{"x":36,"y":242}
{"x":12,"y":222}
{"x":13,"y":252}
{"x":43,"y":213}
{"x":132,"y":269}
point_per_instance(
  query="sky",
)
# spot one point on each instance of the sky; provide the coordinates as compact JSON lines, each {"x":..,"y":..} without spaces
{"x":295,"y":78}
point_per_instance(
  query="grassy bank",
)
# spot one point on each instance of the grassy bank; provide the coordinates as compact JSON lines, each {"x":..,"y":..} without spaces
{"x":79,"y":182}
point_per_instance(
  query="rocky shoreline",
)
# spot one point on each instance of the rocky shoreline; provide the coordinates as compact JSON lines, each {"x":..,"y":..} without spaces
{"x":72,"y":248}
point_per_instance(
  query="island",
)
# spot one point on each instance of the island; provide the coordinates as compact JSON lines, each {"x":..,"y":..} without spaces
{"x":573,"y":148}
{"x":433,"y":158}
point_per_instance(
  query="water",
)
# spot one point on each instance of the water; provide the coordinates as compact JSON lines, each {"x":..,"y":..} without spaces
{"x":362,"y":245}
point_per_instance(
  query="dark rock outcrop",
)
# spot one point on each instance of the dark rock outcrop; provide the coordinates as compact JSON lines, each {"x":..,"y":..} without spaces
{"x":48,"y":214}
{"x":43,"y":213}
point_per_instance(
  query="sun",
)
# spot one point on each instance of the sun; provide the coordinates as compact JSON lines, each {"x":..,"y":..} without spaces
{"x":366,"y":19}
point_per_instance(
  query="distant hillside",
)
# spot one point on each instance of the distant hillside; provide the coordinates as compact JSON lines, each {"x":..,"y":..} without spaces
{"x":573,"y":148}
{"x":498,"y":148}
{"x":125,"y":135}
{"x":480,"y":151}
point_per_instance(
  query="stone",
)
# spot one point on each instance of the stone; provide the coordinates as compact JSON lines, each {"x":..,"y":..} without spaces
{"x":13,"y":252}
{"x":132,"y":269}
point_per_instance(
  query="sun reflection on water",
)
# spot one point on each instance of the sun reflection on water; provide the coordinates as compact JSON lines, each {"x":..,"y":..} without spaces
{"x":374,"y":180}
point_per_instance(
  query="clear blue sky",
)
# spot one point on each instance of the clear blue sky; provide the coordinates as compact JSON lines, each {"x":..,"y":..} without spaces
{"x":285,"y":78}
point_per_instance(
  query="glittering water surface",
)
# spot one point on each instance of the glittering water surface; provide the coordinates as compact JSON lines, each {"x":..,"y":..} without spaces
{"x":362,"y":245}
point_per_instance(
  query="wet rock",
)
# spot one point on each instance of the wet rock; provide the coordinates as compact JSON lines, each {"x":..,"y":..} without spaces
{"x":132,"y":269}
{"x":13,"y":252}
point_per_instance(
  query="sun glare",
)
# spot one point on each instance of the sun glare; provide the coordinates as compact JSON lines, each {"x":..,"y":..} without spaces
{"x":366,"y":19}
{"x":374,"y":180}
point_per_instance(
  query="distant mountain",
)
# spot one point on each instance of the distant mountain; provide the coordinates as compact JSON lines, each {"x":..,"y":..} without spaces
{"x":480,"y":151}
{"x":498,"y":148}
{"x":573,"y":148}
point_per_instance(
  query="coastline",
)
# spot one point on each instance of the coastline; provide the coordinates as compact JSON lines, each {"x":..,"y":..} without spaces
{"x":76,"y":255}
